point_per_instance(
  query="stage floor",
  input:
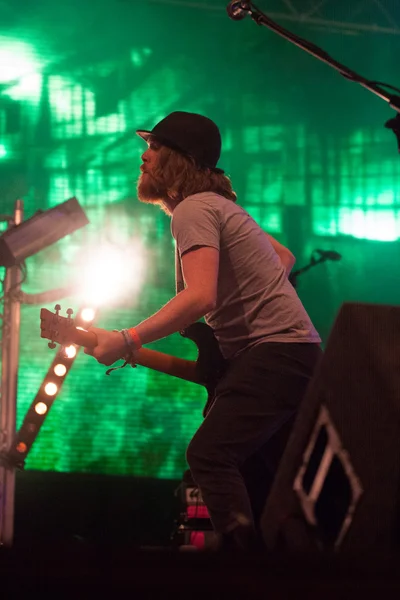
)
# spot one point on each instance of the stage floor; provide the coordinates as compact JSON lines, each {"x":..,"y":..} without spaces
{"x":81,"y":535}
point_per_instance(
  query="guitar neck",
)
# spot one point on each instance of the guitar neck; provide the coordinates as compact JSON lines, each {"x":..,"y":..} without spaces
{"x":152,"y":359}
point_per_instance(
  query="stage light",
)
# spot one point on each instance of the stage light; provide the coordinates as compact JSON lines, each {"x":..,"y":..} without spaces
{"x":41,"y":230}
{"x":48,"y":391}
{"x":41,"y":408}
{"x":70,"y":351}
{"x":17,"y":58}
{"x":87,"y":314}
{"x":60,"y":370}
{"x":51,"y":388}
{"x":28,"y":88}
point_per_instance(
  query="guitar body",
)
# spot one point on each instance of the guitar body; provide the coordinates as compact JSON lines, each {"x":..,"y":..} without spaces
{"x":210,"y":364}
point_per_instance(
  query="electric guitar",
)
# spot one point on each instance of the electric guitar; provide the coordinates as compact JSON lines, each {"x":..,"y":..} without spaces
{"x":205,"y":371}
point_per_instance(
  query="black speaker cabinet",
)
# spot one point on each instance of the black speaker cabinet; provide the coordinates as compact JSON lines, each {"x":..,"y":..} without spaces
{"x":337,"y":485}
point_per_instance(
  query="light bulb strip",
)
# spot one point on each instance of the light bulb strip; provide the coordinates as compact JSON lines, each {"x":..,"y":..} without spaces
{"x":40,"y":407}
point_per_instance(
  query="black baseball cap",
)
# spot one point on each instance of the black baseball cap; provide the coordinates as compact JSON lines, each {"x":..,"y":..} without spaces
{"x":191,"y":134}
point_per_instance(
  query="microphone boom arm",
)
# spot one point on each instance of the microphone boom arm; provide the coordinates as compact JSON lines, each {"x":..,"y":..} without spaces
{"x":313,"y":263}
{"x":394,"y":101}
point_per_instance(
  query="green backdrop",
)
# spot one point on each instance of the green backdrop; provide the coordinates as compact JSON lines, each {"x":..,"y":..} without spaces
{"x":307,"y":152}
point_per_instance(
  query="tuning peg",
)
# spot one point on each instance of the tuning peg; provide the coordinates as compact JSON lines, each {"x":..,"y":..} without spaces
{"x":70,"y":312}
{"x":51,"y":345}
{"x":57,"y":308}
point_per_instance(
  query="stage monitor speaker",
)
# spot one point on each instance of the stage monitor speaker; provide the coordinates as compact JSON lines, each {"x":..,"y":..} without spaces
{"x":337,"y":485}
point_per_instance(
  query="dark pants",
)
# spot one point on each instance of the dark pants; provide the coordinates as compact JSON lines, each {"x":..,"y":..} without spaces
{"x":235,"y":452}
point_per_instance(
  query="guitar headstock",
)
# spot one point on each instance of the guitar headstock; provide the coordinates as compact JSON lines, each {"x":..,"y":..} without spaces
{"x":56,"y":328}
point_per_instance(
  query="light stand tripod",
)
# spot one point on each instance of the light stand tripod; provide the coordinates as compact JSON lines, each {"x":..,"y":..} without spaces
{"x":21,"y":240}
{"x":9,"y":383}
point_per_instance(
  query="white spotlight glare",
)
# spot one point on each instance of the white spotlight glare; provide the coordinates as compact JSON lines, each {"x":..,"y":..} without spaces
{"x":51,"y":389}
{"x":17,"y":59}
{"x":41,"y":408}
{"x":60,"y":370}
{"x":107,"y":273}
{"x":88,"y":314}
{"x":70,"y":351}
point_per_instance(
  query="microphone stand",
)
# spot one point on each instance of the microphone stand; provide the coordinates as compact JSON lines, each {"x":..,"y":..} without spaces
{"x":313,"y":263}
{"x":375,"y":87}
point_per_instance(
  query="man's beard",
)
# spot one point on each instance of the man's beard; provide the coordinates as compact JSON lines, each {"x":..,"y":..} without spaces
{"x":148,"y":191}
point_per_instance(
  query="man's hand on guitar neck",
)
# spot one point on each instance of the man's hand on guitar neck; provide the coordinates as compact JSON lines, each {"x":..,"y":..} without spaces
{"x":111,"y":346}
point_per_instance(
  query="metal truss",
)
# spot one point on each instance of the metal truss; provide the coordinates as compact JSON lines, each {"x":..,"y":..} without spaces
{"x":336,"y":16}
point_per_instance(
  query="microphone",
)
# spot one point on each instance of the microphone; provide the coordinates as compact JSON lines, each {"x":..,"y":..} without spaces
{"x":329,"y":254}
{"x":393,"y":124}
{"x":238,"y":9}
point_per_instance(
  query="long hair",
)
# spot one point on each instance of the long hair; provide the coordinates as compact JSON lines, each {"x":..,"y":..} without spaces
{"x":180,"y":176}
